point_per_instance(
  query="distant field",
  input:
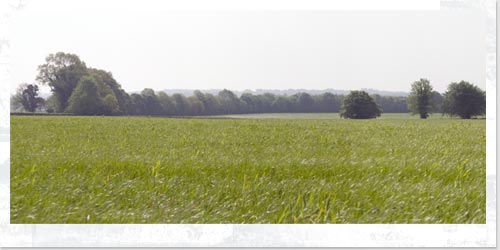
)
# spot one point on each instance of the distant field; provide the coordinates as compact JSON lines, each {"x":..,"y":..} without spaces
{"x":326,"y":116}
{"x":163,"y":170}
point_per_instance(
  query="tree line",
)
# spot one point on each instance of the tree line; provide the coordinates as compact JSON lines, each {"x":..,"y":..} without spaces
{"x":82,"y":90}
{"x":461,"y":99}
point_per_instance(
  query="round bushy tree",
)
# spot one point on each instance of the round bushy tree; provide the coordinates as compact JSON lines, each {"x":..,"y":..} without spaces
{"x":85,"y":99}
{"x":359,"y":105}
{"x":464,"y":100}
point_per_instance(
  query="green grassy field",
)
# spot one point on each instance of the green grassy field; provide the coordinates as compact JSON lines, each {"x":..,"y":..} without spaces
{"x":164,"y":170}
{"x":326,"y":116}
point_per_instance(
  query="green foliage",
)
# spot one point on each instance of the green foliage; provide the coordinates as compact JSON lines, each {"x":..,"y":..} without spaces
{"x":420,"y":99}
{"x":305,"y":102}
{"x":181,"y":104}
{"x":152,"y":105}
{"x":137,"y":170}
{"x":196,"y":107}
{"x":85,"y":99}
{"x":391,"y":104}
{"x":137,"y":106}
{"x":437,"y":102}
{"x":110,"y":105}
{"x":61,"y":72}
{"x":212,"y":104}
{"x":52,"y":104}
{"x":359,"y":105}
{"x":108,"y":85}
{"x":230,"y":103}
{"x":282,"y":104}
{"x":321,"y":116}
{"x":167,"y":105}
{"x":93,"y":97}
{"x":27,"y":97}
{"x":328,"y":102}
{"x":464,"y":100}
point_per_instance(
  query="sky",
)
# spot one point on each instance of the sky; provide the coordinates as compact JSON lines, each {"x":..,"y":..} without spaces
{"x":151,"y":46}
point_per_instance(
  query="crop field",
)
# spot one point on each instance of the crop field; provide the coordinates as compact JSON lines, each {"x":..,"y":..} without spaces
{"x":168,"y":170}
{"x":326,"y":116}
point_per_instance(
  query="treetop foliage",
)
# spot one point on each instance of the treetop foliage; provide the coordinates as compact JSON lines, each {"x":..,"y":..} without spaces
{"x":72,"y":84}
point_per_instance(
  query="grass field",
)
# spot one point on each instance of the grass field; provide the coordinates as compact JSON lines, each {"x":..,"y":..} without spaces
{"x":326,"y":116}
{"x":164,"y":170}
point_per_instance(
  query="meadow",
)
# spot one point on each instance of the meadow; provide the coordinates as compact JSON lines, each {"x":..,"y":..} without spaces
{"x":282,"y":170}
{"x":325,"y":116}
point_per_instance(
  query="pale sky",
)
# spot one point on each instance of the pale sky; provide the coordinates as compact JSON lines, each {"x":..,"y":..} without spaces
{"x":150,"y":46}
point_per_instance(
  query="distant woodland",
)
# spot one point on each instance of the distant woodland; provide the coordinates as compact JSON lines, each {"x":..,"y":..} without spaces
{"x":81,"y":90}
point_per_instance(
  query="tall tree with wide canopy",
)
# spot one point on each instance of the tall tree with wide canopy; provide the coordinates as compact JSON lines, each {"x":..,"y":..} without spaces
{"x":61,"y":72}
{"x":420,"y":98}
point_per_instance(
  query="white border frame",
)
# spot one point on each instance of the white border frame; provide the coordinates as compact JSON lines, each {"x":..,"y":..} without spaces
{"x":260,"y":235}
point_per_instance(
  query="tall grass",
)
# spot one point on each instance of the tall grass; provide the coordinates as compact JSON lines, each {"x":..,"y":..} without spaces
{"x":157,"y":170}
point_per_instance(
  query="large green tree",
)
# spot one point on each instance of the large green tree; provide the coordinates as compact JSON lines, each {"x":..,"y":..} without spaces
{"x":420,"y":98}
{"x":464,"y":100}
{"x":109,"y":86}
{"x":359,"y":105}
{"x":61,"y":72}
{"x":85,"y":99}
